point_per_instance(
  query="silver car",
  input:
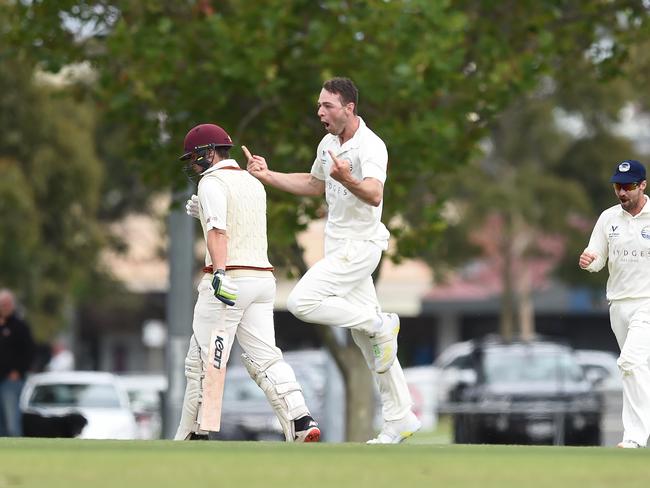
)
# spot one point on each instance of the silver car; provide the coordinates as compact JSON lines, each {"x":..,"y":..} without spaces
{"x":96,"y":396}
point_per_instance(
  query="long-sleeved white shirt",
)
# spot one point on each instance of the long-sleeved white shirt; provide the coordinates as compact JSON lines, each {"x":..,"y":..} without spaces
{"x":623,"y":241}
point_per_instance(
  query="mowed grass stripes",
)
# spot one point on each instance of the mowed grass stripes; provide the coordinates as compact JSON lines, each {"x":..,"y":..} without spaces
{"x":54,"y":463}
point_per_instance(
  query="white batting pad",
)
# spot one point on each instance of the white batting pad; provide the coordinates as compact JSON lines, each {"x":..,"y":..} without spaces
{"x":278,"y":381}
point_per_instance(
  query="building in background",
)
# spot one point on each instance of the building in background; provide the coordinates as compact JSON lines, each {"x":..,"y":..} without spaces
{"x":125,"y":332}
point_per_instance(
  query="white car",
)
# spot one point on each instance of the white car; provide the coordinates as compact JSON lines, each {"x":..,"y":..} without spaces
{"x":97,"y":396}
{"x":453,"y":366}
{"x":422,"y":381}
{"x":146,"y":393}
{"x":601,"y":369}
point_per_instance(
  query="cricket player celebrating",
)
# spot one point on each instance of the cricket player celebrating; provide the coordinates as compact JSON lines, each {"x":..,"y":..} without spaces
{"x":350,"y":169}
{"x":235,"y":295}
{"x":622,"y":237}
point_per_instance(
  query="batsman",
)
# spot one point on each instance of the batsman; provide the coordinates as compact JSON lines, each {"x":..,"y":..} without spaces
{"x":235,"y":294}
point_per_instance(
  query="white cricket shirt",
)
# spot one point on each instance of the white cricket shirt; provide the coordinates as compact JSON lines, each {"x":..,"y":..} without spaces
{"x":623,"y":241}
{"x":348,"y":216}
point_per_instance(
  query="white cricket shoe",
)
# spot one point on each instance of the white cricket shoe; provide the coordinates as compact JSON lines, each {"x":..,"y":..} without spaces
{"x":384,"y":342}
{"x":396,"y":431}
{"x":629,"y":445}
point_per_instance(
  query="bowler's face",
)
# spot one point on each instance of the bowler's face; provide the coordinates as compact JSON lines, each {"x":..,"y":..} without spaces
{"x":333,"y":114}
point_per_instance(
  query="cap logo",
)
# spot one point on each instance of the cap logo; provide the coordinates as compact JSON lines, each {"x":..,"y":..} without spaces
{"x":624,"y":167}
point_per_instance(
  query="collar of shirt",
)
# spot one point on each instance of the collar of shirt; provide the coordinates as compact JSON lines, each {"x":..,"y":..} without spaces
{"x":354,"y":141}
{"x":226,"y":163}
{"x":644,"y":210}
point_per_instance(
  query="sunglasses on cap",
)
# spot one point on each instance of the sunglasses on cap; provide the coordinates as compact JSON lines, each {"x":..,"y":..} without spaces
{"x":626,"y":186}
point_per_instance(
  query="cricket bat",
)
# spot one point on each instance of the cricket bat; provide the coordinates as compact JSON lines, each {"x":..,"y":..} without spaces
{"x":214,"y":379}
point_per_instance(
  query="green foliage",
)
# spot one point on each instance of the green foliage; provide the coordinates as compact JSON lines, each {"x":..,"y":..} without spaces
{"x":541,"y":180}
{"x":18,"y":242}
{"x":49,"y":193}
{"x":431,"y":75}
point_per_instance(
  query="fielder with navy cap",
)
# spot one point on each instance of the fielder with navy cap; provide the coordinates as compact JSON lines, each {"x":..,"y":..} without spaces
{"x":629,"y":171}
{"x":621,"y":238}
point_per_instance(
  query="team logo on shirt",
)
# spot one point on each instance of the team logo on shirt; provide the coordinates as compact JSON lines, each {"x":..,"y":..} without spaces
{"x":645,"y":232}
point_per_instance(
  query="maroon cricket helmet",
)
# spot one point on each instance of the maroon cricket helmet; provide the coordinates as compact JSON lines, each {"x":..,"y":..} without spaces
{"x":203,"y":135}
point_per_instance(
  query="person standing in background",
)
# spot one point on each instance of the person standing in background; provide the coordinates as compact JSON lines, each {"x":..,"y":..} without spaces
{"x":17,"y":350}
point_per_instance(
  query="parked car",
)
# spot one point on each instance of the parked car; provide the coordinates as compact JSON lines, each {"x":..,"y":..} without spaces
{"x":453,"y":366}
{"x":247,"y":415}
{"x":96,"y":396}
{"x":525,"y":393}
{"x":146,"y":395}
{"x":601,"y":369}
{"x":422,"y":381}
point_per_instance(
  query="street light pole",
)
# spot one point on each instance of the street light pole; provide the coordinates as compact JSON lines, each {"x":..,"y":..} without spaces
{"x":180,"y":300}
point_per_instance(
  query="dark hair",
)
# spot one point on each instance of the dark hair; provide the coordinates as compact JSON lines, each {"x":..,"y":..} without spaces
{"x":345,"y":88}
{"x":222,"y":151}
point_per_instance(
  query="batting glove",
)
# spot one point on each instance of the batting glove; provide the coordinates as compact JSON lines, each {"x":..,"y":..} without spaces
{"x":224,"y":287}
{"x":192,"y":207}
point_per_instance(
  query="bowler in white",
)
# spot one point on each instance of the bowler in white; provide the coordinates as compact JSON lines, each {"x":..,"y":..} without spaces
{"x":350,"y":169}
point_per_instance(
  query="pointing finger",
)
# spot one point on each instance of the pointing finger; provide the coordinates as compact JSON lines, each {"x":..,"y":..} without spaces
{"x":247,"y":153}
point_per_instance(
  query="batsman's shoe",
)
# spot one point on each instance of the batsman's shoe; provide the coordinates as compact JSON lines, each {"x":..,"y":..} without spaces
{"x":396,"y":431}
{"x":197,"y":437}
{"x":306,"y":429}
{"x":384,"y":342}
{"x":629,"y":445}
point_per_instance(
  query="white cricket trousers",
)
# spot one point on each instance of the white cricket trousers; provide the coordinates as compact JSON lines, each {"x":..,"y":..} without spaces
{"x":338,"y":291}
{"x":250,"y":320}
{"x":630,"y":319}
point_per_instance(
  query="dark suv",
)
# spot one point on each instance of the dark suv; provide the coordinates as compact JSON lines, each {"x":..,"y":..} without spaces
{"x":525,"y":393}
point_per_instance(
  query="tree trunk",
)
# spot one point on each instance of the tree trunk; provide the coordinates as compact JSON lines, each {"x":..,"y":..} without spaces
{"x":526,"y":308}
{"x":359,"y":390}
{"x":360,"y":404}
{"x":506,"y":319}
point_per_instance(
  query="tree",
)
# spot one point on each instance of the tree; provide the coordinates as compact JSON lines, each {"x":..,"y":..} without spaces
{"x":540,"y":187}
{"x":513,"y":208}
{"x":432,"y":76}
{"x":49,"y":192}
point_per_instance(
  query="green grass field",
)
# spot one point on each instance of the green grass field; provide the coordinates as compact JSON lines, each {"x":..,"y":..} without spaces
{"x":53,"y":463}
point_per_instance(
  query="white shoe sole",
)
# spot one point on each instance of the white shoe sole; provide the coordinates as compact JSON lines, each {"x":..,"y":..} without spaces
{"x":628,"y":445}
{"x":401,"y":437}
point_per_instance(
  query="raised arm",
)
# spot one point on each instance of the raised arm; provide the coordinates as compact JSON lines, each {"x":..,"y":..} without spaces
{"x":368,"y":190}
{"x":303,"y":184}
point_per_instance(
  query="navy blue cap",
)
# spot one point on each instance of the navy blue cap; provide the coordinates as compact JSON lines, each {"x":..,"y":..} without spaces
{"x":629,"y":171}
